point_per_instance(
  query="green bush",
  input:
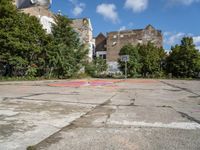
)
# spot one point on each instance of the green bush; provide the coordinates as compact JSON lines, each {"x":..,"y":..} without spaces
{"x":96,"y":68}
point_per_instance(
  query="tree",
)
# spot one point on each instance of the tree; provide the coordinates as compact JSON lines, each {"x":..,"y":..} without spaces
{"x":96,"y":67}
{"x":26,"y":49}
{"x":151,"y":59}
{"x":133,"y":65}
{"x":7,"y":9}
{"x":66,"y":55}
{"x":22,"y":41}
{"x":184,"y":59}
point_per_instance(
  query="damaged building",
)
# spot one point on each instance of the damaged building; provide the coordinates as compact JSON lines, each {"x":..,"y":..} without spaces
{"x":40,"y":9}
{"x":110,"y":46}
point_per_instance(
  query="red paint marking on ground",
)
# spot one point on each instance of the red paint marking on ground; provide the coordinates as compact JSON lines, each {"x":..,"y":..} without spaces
{"x":112,"y":88}
{"x":83,"y":83}
{"x":140,"y":81}
{"x":68,"y":84}
{"x":196,"y":111}
{"x":101,"y":82}
{"x":107,"y":80}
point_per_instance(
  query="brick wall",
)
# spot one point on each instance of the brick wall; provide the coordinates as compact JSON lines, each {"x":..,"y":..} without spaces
{"x":116,"y":40}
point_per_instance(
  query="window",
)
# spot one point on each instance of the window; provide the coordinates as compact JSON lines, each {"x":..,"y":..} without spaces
{"x":103,"y":56}
{"x":114,"y":36}
{"x":114,"y":43}
{"x":140,"y":41}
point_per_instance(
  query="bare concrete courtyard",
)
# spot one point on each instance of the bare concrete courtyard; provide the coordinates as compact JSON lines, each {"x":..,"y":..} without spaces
{"x":100,"y":115}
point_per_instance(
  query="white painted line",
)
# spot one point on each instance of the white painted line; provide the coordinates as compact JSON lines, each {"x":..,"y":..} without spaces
{"x":173,"y":125}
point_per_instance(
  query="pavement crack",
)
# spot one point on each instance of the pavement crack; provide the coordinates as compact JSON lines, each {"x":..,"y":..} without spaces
{"x":132,"y":102}
{"x":184,"y":115}
{"x":164,"y":106}
{"x":5,"y":98}
{"x":83,"y":121}
{"x":178,"y":87}
{"x":38,"y":94}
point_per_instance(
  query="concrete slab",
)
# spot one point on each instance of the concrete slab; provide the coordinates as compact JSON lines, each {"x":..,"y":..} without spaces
{"x":126,"y":114}
{"x":146,"y":114}
{"x":24,"y":123}
{"x":127,"y":139}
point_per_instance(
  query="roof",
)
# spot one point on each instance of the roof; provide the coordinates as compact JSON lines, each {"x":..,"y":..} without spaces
{"x":100,"y":35}
{"x":135,"y":30}
{"x":149,"y":27}
{"x":123,"y":31}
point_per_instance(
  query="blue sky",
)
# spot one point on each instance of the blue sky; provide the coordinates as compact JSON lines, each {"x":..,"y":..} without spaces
{"x":176,"y":18}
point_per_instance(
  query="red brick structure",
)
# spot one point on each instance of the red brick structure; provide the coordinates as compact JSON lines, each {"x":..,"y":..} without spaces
{"x":116,"y":40}
{"x":110,"y":46}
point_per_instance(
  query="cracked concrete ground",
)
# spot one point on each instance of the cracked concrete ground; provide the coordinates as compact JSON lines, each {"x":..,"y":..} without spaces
{"x":125,"y":115}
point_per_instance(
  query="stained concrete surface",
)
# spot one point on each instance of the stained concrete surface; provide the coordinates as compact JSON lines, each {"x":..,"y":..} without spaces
{"x":127,"y":114}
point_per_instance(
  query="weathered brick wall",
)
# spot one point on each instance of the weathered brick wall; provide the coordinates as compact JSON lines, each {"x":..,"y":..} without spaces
{"x":116,"y":40}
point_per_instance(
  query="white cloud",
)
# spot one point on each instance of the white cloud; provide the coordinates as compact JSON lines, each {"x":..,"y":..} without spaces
{"x":122,"y":28}
{"x":78,"y":7}
{"x":183,"y":2}
{"x":136,"y":5}
{"x":196,"y":40}
{"x":171,"y":38}
{"x":198,"y":47}
{"x":167,"y":33}
{"x":108,"y":11}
